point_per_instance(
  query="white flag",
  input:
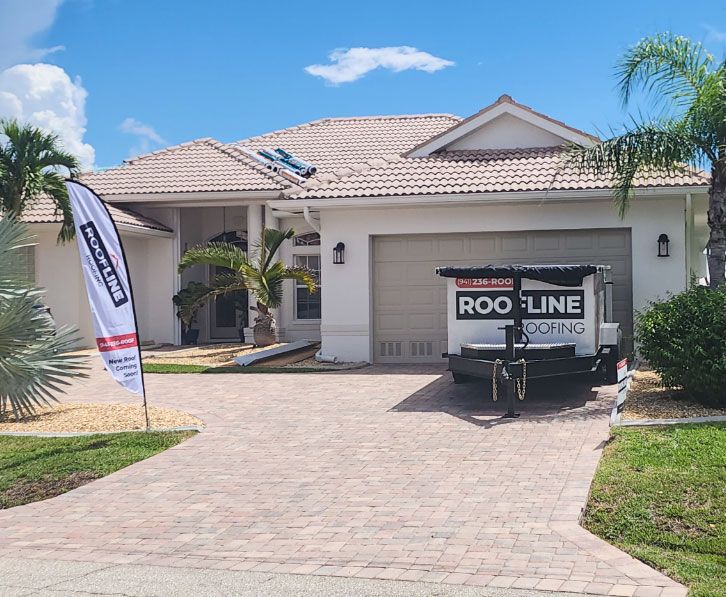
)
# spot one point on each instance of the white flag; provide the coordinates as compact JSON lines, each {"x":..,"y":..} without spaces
{"x":109,"y":288}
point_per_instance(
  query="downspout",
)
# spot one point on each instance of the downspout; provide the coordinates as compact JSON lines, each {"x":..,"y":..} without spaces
{"x":314,"y":224}
{"x":689,"y":237}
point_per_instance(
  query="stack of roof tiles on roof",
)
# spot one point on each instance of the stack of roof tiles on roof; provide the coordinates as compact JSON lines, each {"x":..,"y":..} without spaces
{"x":478,"y":171}
{"x":43,"y":211}
{"x":197,"y":166}
{"x":340,"y":146}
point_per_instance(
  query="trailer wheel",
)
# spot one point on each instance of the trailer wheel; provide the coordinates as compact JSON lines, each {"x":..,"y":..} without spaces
{"x":460,"y":378}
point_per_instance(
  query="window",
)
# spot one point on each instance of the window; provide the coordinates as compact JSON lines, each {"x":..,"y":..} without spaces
{"x":26,"y":264}
{"x":311,"y":239}
{"x":307,"y":304}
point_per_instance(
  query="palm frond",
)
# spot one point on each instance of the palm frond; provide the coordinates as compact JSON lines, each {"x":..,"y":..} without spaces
{"x":219,"y":254}
{"x":664,"y":65}
{"x":34,"y":362}
{"x":662,"y":148}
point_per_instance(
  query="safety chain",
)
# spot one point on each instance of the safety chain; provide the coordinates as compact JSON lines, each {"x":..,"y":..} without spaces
{"x":494,"y":379}
{"x":522,"y":383}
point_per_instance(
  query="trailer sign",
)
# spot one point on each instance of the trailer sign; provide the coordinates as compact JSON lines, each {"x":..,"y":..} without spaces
{"x":536,"y":304}
{"x":479,"y":307}
{"x":486,"y":283}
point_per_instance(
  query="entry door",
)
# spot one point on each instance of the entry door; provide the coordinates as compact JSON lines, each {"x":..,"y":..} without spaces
{"x":227,"y":313}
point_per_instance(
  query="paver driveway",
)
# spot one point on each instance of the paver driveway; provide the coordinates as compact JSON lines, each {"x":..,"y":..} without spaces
{"x":386,"y":472}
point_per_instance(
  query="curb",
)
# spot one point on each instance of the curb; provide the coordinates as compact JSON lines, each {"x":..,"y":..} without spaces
{"x":653,"y":422}
{"x":87,"y":433}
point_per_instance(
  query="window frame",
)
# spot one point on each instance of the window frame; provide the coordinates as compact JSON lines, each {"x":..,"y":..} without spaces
{"x":295,"y":284}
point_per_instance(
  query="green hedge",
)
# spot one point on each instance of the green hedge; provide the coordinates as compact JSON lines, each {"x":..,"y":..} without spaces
{"x":684,"y":340}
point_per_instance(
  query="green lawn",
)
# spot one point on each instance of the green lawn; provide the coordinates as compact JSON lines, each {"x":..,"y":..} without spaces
{"x":37,"y":468}
{"x":160,"y":368}
{"x":660,"y":495}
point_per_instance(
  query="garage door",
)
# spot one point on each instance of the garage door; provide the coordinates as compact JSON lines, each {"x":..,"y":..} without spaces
{"x":409,"y":299}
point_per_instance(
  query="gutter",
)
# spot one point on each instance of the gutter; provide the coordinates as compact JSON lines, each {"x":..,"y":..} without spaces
{"x":483,"y":198}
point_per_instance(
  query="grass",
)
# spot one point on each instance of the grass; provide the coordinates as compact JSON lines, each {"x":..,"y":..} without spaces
{"x":37,"y":468}
{"x":164,"y":368}
{"x":660,"y":495}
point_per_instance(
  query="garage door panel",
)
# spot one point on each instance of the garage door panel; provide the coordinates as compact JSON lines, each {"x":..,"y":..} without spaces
{"x":515,"y":243}
{"x":409,"y":299}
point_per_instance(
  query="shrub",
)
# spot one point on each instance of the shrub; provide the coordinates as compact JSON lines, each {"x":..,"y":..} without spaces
{"x":684,"y":340}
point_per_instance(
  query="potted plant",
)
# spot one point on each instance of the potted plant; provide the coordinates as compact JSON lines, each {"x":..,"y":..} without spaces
{"x":261,"y":274}
{"x":188,"y":303}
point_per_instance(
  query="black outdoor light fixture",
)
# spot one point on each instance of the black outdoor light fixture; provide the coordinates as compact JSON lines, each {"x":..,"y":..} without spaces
{"x":663,"y":242}
{"x":339,"y":253}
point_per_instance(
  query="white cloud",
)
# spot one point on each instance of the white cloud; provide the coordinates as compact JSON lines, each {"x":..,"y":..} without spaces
{"x":350,"y":64}
{"x":45,"y":96}
{"x":20,"y":22}
{"x":714,"y":34}
{"x":146,"y":136}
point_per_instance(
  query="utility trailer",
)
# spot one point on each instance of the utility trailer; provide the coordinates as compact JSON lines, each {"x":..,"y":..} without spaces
{"x":515,"y":323}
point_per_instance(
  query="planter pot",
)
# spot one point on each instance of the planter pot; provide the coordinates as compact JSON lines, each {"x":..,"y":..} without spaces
{"x":190,"y":336}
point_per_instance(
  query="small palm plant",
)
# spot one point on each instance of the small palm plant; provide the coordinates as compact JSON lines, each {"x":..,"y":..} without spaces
{"x":259,"y":273}
{"x":690,"y":88}
{"x":33,"y":368}
{"x":30,"y":165}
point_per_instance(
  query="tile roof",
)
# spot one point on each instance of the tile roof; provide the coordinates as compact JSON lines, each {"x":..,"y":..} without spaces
{"x":43,"y":211}
{"x":197,"y":166}
{"x":475,"y":171}
{"x":336,"y":146}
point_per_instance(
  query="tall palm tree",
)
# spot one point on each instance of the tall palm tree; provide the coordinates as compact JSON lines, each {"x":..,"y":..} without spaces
{"x":33,"y":365}
{"x":688,"y":87}
{"x":30,"y":164}
{"x":261,"y":274}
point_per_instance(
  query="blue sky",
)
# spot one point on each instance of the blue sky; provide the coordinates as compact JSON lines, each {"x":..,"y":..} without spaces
{"x":164,"y":72}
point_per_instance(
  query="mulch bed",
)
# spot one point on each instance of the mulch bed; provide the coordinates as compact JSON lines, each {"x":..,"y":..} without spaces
{"x":33,"y":490}
{"x":84,"y":418}
{"x":648,"y":399}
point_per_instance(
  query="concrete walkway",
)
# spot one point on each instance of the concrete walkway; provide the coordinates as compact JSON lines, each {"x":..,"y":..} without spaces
{"x":389,"y":473}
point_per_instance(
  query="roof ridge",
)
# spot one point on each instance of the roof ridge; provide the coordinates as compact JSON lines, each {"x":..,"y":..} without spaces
{"x":319,"y":121}
{"x":167,"y":149}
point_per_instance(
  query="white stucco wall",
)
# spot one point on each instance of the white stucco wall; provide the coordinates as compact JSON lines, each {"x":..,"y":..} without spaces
{"x":58,"y":270}
{"x":347,"y":329}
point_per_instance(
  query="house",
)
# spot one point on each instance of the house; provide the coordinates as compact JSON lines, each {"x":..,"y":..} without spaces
{"x":403,"y":194}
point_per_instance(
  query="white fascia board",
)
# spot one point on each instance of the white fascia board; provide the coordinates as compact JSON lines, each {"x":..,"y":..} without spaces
{"x":130,"y":228}
{"x":474,"y":198}
{"x":205,"y":198}
{"x":461,"y":130}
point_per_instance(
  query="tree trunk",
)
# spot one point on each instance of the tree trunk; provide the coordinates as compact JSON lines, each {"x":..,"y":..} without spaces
{"x":264,"y":328}
{"x":717,"y":225}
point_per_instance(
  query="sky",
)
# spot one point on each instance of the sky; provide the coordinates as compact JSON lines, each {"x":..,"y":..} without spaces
{"x":116,"y":78}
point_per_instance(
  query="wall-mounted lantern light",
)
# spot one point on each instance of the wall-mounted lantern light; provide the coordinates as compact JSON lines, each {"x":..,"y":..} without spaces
{"x":663,"y":242}
{"x":339,"y":253}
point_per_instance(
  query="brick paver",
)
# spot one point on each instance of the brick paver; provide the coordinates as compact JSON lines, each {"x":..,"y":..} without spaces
{"x":387,"y":473}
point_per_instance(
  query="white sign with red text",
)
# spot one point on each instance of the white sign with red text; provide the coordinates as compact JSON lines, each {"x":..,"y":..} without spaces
{"x":478,"y":308}
{"x":107,"y":284}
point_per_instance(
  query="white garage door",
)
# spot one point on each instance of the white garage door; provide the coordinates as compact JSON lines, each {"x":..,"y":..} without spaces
{"x":409,"y":299}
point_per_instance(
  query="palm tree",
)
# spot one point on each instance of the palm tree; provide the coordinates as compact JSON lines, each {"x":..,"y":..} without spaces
{"x":261,"y":274}
{"x":30,"y":161}
{"x":689,"y":87}
{"x":33,"y":367}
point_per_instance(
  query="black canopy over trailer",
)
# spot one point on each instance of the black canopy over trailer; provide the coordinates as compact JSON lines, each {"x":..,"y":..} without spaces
{"x":513,"y":323}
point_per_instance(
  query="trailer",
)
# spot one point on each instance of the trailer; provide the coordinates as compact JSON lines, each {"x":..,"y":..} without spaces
{"x":515,"y":323}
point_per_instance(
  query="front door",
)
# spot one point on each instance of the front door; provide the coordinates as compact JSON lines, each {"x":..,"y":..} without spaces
{"x":227,"y":314}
